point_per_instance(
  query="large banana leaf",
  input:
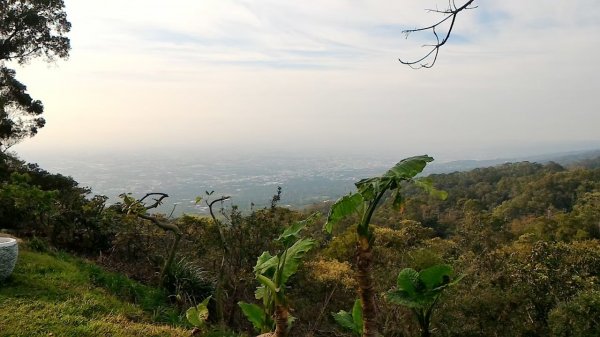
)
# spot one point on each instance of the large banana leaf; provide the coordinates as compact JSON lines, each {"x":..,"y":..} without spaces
{"x":342,"y":208}
{"x":293,"y":257}
{"x":257,"y":316}
{"x":368,"y":190}
{"x":294,"y":230}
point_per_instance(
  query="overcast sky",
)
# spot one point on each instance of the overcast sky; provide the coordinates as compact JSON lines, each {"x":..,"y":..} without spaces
{"x":321,"y":76}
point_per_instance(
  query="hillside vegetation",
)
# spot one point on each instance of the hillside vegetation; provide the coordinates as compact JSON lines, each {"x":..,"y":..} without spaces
{"x":520,"y":239}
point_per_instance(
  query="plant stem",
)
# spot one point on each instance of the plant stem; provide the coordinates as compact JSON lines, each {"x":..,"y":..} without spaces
{"x":281,"y":320}
{"x":364,"y":262}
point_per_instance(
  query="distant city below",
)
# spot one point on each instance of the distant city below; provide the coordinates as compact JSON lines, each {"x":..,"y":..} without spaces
{"x":249,"y":181}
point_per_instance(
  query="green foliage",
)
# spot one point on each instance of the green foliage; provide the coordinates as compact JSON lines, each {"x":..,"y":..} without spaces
{"x":34,"y":202}
{"x":525,"y":233}
{"x":28,"y":29}
{"x":342,"y":208}
{"x":148,"y":298}
{"x":257,"y":316}
{"x":29,"y":203}
{"x":273,"y":272}
{"x":369,"y":193}
{"x":38,"y":245}
{"x":420,"y":291}
{"x":577,"y":317}
{"x":198,"y":315}
{"x":351,"y":320}
{"x":371,"y":190}
{"x":187,"y":282}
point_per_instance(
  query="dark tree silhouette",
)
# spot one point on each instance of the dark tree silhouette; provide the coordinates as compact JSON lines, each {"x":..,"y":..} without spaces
{"x":28,"y":29}
{"x":449,"y":15}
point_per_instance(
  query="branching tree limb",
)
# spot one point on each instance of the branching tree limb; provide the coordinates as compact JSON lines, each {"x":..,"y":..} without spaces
{"x":140,"y":209}
{"x":450,"y":15}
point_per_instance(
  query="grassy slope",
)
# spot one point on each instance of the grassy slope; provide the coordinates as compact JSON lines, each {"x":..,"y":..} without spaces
{"x":58,"y":295}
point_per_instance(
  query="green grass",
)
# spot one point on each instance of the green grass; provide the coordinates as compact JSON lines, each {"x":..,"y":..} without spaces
{"x":59,"y":295}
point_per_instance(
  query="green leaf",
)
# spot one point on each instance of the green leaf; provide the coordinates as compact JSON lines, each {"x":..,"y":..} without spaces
{"x":345,"y":206}
{"x":436,"y":276}
{"x":344,"y":319}
{"x":254,"y":314}
{"x":368,"y":187}
{"x":401,"y":297}
{"x":198,"y":200}
{"x":198,"y":315}
{"x":293,"y":230}
{"x":452,"y":282}
{"x":293,"y":257}
{"x":351,"y":321}
{"x":408,"y":168}
{"x":398,"y":199}
{"x":192,"y":316}
{"x":260,"y":292}
{"x":266,"y":264}
{"x":290,"y":322}
{"x":427,"y":185}
{"x":267,"y":282}
{"x":357,"y":316}
{"x":408,"y":280}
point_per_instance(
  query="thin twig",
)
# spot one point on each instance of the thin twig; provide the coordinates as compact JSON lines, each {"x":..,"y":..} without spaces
{"x":450,"y":14}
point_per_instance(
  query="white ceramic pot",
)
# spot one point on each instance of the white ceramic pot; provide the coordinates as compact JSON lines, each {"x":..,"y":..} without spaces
{"x":9,"y":250}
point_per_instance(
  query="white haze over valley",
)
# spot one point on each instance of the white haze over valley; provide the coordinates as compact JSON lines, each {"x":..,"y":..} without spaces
{"x":153,"y":87}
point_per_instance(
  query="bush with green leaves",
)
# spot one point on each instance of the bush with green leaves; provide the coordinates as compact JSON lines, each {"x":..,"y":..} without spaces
{"x":579,"y":317}
{"x":421,"y":291}
{"x":351,"y":321}
{"x":273,"y":272}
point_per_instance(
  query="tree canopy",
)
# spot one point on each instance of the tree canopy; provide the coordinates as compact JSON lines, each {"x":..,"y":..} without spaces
{"x":28,"y":29}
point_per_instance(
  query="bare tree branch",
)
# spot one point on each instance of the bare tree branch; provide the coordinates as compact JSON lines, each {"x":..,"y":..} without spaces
{"x":450,"y":14}
{"x":139,"y":209}
{"x":157,"y":201}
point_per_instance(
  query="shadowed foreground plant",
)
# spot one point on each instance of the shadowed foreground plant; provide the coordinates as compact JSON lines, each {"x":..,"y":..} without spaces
{"x":140,"y":209}
{"x":420,"y":291}
{"x":273,"y":272}
{"x":198,"y":315}
{"x":351,"y":320}
{"x":364,"y":202}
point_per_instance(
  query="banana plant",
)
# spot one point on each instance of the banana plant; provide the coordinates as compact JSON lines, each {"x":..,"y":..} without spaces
{"x":272,"y":272}
{"x":420,"y":291}
{"x":364,"y":201}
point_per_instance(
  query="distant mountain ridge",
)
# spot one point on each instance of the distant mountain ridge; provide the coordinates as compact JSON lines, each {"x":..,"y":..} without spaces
{"x":571,"y":158}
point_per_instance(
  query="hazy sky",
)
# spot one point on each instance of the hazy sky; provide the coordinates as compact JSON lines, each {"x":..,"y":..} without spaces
{"x":517,"y":76}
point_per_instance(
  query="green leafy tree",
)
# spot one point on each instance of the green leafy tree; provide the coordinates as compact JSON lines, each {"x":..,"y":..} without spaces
{"x":364,"y":202}
{"x":420,"y":291}
{"x":27,"y":205}
{"x":579,"y":317}
{"x":28,"y":29}
{"x":273,"y":272}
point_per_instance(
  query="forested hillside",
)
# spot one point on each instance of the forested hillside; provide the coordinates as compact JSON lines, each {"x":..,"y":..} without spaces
{"x":521,"y":241}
